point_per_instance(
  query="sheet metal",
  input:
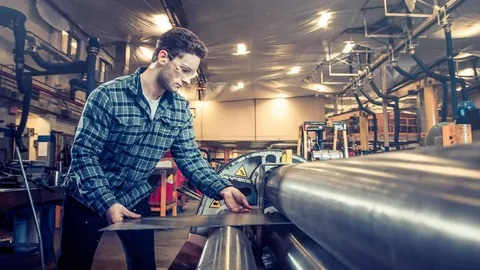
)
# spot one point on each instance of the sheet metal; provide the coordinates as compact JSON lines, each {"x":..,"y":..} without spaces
{"x":401,"y":210}
{"x":221,"y":220}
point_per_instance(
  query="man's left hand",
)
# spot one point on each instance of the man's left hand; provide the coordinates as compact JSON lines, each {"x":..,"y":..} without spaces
{"x":235,"y":200}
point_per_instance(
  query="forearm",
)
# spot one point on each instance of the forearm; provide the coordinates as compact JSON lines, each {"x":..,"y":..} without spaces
{"x":200,"y":174}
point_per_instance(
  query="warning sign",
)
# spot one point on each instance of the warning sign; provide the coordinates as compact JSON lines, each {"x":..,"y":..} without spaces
{"x":215,"y":204}
{"x":242,"y":172}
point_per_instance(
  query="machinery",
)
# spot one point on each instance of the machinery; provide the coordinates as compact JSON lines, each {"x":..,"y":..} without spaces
{"x":313,"y":147}
{"x":400,"y":210}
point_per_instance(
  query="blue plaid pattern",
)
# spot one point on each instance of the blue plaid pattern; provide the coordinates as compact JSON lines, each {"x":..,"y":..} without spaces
{"x":117,"y":146}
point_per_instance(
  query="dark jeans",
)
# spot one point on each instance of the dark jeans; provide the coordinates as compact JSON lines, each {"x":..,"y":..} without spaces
{"x":80,"y":237}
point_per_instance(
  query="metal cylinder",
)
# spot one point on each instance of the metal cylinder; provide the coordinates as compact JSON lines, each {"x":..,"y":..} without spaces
{"x":227,"y":248}
{"x":293,"y":249}
{"x":327,"y":154}
{"x":401,"y":210}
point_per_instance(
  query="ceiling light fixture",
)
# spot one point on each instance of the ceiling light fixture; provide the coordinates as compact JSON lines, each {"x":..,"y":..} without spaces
{"x":163,"y":22}
{"x":241,"y":49}
{"x":240,"y":85}
{"x":324,"y":19}
{"x":349,"y":45}
{"x":294,"y":70}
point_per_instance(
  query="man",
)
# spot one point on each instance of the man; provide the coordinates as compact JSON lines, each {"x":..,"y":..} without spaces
{"x":126,"y":127}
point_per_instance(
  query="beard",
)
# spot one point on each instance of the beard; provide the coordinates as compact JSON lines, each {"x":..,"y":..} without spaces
{"x":163,"y":82}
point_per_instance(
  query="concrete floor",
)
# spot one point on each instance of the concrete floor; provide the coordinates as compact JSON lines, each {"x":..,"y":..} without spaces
{"x":110,"y":254}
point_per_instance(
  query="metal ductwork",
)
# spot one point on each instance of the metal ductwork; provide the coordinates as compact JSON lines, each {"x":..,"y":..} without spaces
{"x":448,"y":8}
{"x":16,"y":20}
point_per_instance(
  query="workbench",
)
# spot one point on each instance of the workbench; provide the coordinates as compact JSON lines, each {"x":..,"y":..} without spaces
{"x":166,"y":175}
{"x":15,"y":201}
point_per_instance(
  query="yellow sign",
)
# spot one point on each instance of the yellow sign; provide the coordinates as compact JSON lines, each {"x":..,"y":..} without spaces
{"x":241,"y":172}
{"x":215,"y":204}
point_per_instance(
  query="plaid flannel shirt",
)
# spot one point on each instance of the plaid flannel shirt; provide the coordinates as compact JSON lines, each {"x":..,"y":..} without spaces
{"x":117,"y":146}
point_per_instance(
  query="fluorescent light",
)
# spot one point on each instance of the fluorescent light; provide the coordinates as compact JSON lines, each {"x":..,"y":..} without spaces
{"x":324,"y":20}
{"x":241,"y":49}
{"x":467,"y":72}
{"x":294,"y":70}
{"x":238,"y":86}
{"x":163,"y":22}
{"x":349,"y":45}
{"x":462,"y":55}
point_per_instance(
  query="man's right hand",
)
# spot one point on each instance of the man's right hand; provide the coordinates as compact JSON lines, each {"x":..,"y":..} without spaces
{"x":117,"y":212}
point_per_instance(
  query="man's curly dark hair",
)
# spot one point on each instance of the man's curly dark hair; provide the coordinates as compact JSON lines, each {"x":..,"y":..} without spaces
{"x":177,"y":41}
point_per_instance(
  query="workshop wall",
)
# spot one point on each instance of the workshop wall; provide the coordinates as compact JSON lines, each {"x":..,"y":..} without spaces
{"x":269,"y":119}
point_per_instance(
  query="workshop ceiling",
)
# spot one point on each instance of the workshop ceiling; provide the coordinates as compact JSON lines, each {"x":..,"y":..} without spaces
{"x":278,"y":35}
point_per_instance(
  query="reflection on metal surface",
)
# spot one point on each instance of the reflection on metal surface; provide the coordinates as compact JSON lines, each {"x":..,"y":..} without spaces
{"x":231,"y":219}
{"x":190,"y":253}
{"x":295,"y":250}
{"x":401,"y":210}
{"x":227,"y":248}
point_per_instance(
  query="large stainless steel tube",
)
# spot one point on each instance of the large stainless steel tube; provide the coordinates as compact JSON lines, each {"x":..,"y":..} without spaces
{"x":227,"y":248}
{"x":400,"y":210}
{"x":294,"y":250}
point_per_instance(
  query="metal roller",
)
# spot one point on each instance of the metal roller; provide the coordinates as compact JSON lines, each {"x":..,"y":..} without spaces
{"x":227,"y":248}
{"x":400,"y":210}
{"x":294,"y":250}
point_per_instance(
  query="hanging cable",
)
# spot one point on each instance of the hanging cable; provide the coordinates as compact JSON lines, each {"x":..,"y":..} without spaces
{"x":396,"y":110}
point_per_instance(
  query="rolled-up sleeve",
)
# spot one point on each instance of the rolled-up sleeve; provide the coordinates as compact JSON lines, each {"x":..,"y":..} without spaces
{"x":90,"y":137}
{"x":194,"y":167}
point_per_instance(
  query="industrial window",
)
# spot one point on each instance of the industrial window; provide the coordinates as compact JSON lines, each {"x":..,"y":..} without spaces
{"x":102,"y":67}
{"x":70,"y":45}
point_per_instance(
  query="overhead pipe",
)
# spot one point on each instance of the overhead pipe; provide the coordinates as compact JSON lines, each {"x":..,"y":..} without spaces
{"x":15,"y":20}
{"x":93,"y":49}
{"x":71,"y":67}
{"x":401,"y":210}
{"x":373,"y":101}
{"x":444,"y":101}
{"x":449,"y":7}
{"x":474,"y":67}
{"x":27,"y":96}
{"x":416,"y":77}
{"x":34,"y":40}
{"x":375,"y":123}
{"x":87,"y":66}
{"x":443,"y":79}
{"x":77,"y":84}
{"x":396,"y":111}
{"x":451,"y":70}
{"x":403,"y":72}
{"x":9,"y":17}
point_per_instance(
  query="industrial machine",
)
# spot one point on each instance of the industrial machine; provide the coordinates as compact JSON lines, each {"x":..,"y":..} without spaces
{"x":401,"y":210}
{"x":312,"y":146}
